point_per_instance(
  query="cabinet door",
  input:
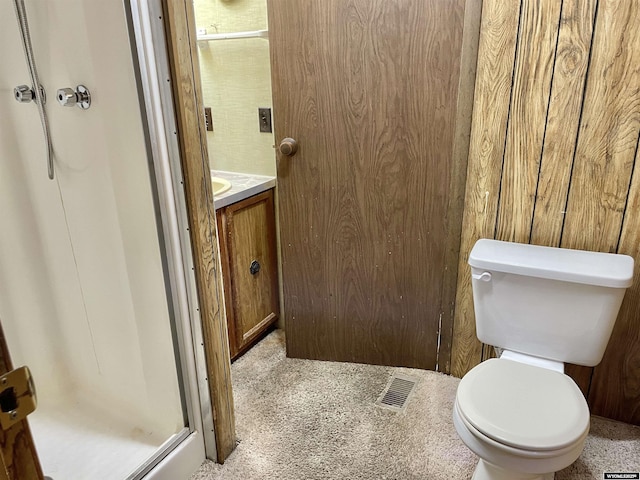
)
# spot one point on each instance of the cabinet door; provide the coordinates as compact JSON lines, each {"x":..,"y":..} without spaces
{"x":251,"y":279}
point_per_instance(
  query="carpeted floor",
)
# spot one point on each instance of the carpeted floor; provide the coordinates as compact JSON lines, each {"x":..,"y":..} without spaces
{"x":308,"y":420}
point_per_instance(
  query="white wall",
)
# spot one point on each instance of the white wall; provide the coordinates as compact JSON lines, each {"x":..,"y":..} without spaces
{"x":82,"y":295}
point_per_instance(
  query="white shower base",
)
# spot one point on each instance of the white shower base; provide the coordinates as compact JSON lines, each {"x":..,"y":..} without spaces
{"x":75,"y":442}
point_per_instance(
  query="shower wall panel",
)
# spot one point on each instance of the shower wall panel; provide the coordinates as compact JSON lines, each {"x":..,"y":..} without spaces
{"x":82,"y":294}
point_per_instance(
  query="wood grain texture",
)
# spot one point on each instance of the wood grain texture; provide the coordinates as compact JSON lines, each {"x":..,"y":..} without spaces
{"x":608,"y":132}
{"x":252,"y":299}
{"x":488,"y":351}
{"x":496,"y":52}
{"x":225,"y":265}
{"x":369,"y":90}
{"x":589,"y":152}
{"x":615,"y":389}
{"x":466,"y":85}
{"x":606,"y":143}
{"x":565,"y":107}
{"x":18,"y":450}
{"x":180,"y":25}
{"x":535,"y":55}
{"x":536,"y":60}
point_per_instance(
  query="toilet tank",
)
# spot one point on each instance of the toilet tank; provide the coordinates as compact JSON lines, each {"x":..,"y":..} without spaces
{"x":553,"y":303}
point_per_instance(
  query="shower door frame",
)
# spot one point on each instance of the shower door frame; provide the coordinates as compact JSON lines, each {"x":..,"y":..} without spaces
{"x":151,"y":64}
{"x":169,"y":77}
{"x":184,"y":451}
{"x":183,"y":79}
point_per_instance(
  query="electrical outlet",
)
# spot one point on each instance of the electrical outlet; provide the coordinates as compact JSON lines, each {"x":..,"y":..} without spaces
{"x":264,"y":116}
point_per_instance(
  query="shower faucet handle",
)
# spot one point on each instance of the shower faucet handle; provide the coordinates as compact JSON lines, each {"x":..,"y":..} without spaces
{"x":68,"y":97}
{"x":26,"y":94}
{"x":23,"y":94}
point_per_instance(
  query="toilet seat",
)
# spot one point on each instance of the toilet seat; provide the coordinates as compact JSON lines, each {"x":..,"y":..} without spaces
{"x":523,"y":406}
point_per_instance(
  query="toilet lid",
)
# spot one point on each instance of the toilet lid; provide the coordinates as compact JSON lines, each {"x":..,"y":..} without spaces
{"x":523,"y":406}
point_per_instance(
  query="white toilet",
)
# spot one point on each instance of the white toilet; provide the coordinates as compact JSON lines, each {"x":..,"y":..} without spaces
{"x":544,"y":306}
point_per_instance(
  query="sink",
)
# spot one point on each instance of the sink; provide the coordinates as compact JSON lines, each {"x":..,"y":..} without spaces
{"x":220,"y":185}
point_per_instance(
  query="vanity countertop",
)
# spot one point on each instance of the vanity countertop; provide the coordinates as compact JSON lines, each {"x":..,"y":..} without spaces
{"x":243,"y":185}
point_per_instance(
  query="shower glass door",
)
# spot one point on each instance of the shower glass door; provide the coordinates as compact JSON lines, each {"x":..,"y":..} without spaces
{"x":83,"y":290}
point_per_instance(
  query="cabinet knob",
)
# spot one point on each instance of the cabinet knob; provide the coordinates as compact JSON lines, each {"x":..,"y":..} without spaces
{"x":288,"y":146}
{"x":254,"y":267}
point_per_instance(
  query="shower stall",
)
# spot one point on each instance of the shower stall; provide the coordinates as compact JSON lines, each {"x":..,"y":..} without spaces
{"x":94,"y":297}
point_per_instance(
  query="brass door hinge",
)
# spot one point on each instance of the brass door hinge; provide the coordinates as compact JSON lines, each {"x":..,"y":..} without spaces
{"x":17,"y":397}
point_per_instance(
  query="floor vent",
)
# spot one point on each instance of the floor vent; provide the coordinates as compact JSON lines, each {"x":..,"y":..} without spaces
{"x":396,"y":395}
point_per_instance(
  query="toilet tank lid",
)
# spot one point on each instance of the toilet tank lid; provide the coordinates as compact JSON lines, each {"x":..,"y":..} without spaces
{"x":579,"y":266}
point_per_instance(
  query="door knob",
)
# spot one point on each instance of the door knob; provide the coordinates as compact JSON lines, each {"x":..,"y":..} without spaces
{"x":288,"y":146}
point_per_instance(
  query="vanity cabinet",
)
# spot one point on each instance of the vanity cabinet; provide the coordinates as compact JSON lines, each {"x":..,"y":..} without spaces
{"x":247,"y":236}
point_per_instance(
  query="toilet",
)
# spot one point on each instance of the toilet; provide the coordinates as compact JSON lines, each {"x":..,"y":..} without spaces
{"x":543,"y":307}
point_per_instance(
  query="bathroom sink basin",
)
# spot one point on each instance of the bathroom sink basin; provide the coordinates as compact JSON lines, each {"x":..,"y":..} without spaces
{"x":220,"y":185}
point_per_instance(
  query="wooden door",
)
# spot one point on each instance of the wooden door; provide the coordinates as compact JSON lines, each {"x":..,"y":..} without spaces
{"x":18,"y":450}
{"x":368,"y":89}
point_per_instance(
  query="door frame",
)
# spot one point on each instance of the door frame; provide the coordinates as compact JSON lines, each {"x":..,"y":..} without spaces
{"x":185,"y":80}
{"x":150,"y":57}
{"x":165,"y":47}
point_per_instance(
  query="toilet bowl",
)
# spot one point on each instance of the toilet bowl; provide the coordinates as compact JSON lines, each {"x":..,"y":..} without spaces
{"x":523,"y":421}
{"x":545,"y":306}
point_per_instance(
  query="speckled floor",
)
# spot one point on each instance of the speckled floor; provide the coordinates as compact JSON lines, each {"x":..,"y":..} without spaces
{"x":304,"y":420}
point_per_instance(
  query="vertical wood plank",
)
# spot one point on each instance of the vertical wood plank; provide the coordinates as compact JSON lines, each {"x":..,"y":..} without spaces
{"x":16,"y":444}
{"x":608,"y":132}
{"x":488,"y":351}
{"x":570,"y":70}
{"x":496,"y":52}
{"x":588,"y":153}
{"x":466,"y":84}
{"x":529,"y":101}
{"x":572,"y":59}
{"x":223,"y":237}
{"x":615,"y":389}
{"x":202,"y":220}
{"x":607,"y":140}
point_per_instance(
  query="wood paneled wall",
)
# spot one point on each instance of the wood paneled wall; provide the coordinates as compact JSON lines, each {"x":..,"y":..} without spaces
{"x":553,"y":160}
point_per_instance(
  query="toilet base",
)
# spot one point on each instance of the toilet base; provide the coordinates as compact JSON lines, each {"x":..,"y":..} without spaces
{"x":487,"y":471}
